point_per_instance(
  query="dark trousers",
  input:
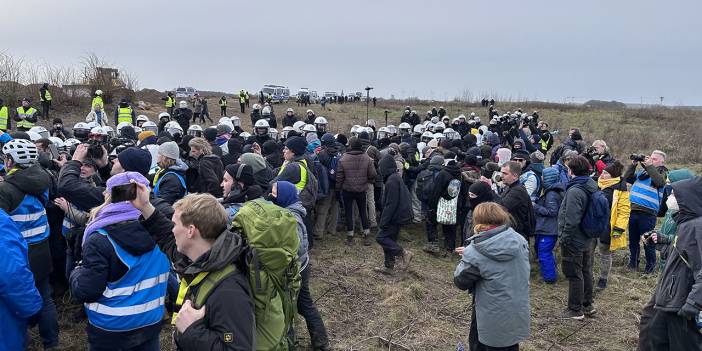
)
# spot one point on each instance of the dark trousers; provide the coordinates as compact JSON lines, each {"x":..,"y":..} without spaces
{"x":670,"y":332}
{"x":308,"y":310}
{"x":170,"y":111}
{"x":387,"y":238}
{"x":242,"y":105}
{"x":359,"y":198}
{"x":223,"y":111}
{"x":248,"y":102}
{"x":45,"y":107}
{"x":644,"y":325}
{"x":46,"y":318}
{"x":449,"y":231}
{"x":577,"y":267}
{"x":152,"y":344}
{"x":196,"y":115}
{"x":475,"y":345}
{"x":640,"y":223}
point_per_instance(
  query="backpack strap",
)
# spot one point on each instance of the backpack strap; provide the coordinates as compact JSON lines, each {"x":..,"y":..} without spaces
{"x":210,"y":282}
{"x":157,"y":186}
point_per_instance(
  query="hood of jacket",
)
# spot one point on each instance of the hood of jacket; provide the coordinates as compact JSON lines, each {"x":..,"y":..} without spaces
{"x":584,"y":181}
{"x":387,"y":166}
{"x":32,"y":180}
{"x":234,"y":145}
{"x":453,"y":170}
{"x":132,"y":237}
{"x":497,"y":245}
{"x":179,"y":166}
{"x":257,"y":162}
{"x":688,"y":193}
{"x":226,"y":249}
{"x":286,"y":194}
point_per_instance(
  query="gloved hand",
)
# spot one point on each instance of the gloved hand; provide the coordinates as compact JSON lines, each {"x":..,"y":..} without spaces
{"x":688,"y":311}
{"x":617,"y":232}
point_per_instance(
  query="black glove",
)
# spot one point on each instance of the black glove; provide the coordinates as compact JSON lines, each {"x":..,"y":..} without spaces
{"x":688,"y":311}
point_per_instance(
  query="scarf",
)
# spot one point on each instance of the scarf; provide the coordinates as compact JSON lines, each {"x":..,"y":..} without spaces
{"x":111,"y":214}
{"x":606,"y":183}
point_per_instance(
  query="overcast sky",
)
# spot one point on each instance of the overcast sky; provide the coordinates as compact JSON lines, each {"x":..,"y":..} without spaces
{"x":626,"y":50}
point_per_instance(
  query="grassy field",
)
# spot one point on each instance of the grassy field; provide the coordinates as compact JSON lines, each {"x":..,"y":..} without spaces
{"x":421,"y":309}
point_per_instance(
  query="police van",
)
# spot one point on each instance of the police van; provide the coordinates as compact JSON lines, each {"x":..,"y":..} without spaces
{"x":278,"y":93}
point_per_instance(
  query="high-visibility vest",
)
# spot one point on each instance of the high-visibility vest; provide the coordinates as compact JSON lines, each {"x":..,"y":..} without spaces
{"x":222,"y":102}
{"x":170,"y":101}
{"x":24,"y":123}
{"x":303,"y":174}
{"x":644,"y":194}
{"x":137,"y":299}
{"x":30,"y":218}
{"x":544,"y":142}
{"x":242,"y":99}
{"x":125,"y":115}
{"x":3,"y":117}
{"x":97,"y":101}
{"x":47,"y":94}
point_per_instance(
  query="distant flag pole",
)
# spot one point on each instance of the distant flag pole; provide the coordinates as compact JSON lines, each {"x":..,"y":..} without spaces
{"x":368,"y":89}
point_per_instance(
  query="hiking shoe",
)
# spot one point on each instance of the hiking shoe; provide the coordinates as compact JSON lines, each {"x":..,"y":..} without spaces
{"x":589,"y":310}
{"x":367,"y":240}
{"x":384,"y":270}
{"x":601,"y":284}
{"x":349,"y":240}
{"x":570,"y":314}
{"x":405,"y":260}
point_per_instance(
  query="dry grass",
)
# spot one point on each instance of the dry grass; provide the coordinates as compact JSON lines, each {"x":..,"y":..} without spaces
{"x":421,"y":309}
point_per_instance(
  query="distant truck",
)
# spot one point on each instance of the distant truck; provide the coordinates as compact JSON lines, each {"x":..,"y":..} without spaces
{"x":314,"y":98}
{"x":330,"y":94}
{"x":279,"y":93}
{"x":186,"y":92}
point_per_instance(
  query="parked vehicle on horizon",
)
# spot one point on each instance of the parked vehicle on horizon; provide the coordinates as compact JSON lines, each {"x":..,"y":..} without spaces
{"x":185,"y":92}
{"x":278,"y":93}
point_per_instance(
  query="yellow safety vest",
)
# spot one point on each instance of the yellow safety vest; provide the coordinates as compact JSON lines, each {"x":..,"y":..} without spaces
{"x":48,"y":96}
{"x":222,"y":102}
{"x":247,"y":95}
{"x":242,"y":99}
{"x":170,"y":102}
{"x":97,"y":101}
{"x":3,"y":117}
{"x":303,"y":174}
{"x":124,"y":115}
{"x":24,"y":123}
{"x":544,"y":143}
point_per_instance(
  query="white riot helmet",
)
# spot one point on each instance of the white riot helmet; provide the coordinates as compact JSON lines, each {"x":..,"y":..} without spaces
{"x":383,"y":133}
{"x":98,"y":92}
{"x":60,"y":145}
{"x":261,"y":127}
{"x":266,"y":111}
{"x":462,"y":118}
{"x":141,"y":119}
{"x":290,"y":110}
{"x":297,"y":126}
{"x":150,"y":126}
{"x":286,"y":131}
{"x":370,"y":123}
{"x":392,"y":129}
{"x":236,"y":122}
{"x":70,"y":142}
{"x":22,"y":152}
{"x":33,"y":136}
{"x":355,"y":130}
{"x":273,"y":133}
{"x":427,"y":136}
{"x":450,"y":134}
{"x":110,"y":131}
{"x":137,"y":130}
{"x":321,"y":124}
{"x":439,"y":136}
{"x":476,"y":119}
{"x":435,"y":120}
{"x":182,"y":104}
{"x":245,"y":135}
{"x":309,"y":128}
{"x":195,"y":130}
{"x":98,"y":131}
{"x":439,"y":127}
{"x":224,"y":119}
{"x":41,"y":131}
{"x":164,"y":115}
{"x":405,"y":128}
{"x":256,"y":107}
{"x":92,"y":125}
{"x":430,"y":127}
{"x":309,"y":111}
{"x":121,"y":126}
{"x":173,"y":128}
{"x":419,"y":129}
{"x":446,"y":119}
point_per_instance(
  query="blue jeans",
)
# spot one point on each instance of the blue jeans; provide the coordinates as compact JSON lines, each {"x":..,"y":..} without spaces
{"x":640,"y":223}
{"x":544,"y":247}
{"x":46,"y":318}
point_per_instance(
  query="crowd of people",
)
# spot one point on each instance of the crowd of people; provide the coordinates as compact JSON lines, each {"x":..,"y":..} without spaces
{"x":213,"y":226}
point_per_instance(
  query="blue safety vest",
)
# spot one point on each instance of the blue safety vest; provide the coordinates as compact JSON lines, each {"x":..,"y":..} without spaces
{"x":66,"y":226}
{"x":160,"y":179}
{"x":30,"y":218}
{"x":644,"y":194}
{"x":136,"y":300}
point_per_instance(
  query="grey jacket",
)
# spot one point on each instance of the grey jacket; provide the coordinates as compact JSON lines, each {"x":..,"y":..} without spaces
{"x":495,"y":267}
{"x":681,"y":280}
{"x":573,"y":207}
{"x":299,"y":212}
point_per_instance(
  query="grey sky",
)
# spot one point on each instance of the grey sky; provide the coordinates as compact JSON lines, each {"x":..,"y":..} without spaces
{"x":547,"y":50}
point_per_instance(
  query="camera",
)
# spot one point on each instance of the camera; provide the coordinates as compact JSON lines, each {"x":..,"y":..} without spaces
{"x":637,"y":157}
{"x":95,"y":150}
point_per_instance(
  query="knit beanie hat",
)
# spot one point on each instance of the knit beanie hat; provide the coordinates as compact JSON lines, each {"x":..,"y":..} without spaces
{"x":355,"y":143}
{"x":297,"y":145}
{"x":537,"y":157}
{"x":134,"y":159}
{"x":210,"y":134}
{"x":145,"y":134}
{"x":169,"y":149}
{"x":614,"y":169}
{"x":328,"y":139}
{"x":310,"y":137}
{"x":242,"y":173}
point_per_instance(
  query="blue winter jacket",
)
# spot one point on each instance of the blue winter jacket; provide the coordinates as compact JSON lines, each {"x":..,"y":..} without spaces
{"x":19,"y":298}
{"x":546,"y":210}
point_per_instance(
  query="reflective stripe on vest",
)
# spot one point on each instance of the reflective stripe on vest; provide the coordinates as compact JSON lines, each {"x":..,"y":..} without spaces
{"x":170,"y":102}
{"x":30,"y":218}
{"x":97,"y":101}
{"x":136,"y":300}
{"x":21,"y":113}
{"x":242,"y":99}
{"x":645,"y":195}
{"x":544,"y":143}
{"x":66,"y":226}
{"x":124,"y":115}
{"x":222,"y":102}
{"x":3,"y":117}
{"x":47,"y":94}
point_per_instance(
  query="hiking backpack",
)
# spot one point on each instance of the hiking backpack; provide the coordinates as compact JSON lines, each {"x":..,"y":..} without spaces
{"x":308,"y":194}
{"x":595,"y":221}
{"x":425,"y":179}
{"x":323,"y":185}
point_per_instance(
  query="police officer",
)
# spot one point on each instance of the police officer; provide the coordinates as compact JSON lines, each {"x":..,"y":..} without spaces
{"x":25,"y":116}
{"x":45,"y":98}
{"x":170,"y":102}
{"x":242,"y":101}
{"x":125,"y":113}
{"x":5,"y":124}
{"x":223,"y":106}
{"x":97,"y":100}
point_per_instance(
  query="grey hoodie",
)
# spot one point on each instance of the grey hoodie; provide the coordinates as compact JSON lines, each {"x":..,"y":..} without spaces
{"x":495,"y":268}
{"x":299,"y":212}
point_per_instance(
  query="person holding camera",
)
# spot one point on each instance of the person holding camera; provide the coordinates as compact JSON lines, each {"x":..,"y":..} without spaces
{"x":646,"y":195}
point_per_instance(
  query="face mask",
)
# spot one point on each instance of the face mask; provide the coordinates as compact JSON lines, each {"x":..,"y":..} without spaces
{"x":672,"y":203}
{"x":269,"y":197}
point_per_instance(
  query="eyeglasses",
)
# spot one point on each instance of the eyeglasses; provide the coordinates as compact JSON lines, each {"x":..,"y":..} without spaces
{"x":519,"y":160}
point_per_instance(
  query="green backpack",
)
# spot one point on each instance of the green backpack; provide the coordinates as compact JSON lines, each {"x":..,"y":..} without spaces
{"x":274,"y":271}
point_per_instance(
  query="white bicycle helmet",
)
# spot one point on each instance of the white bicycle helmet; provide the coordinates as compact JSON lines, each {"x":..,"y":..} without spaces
{"x":286,"y":131}
{"x":273,"y":133}
{"x":236,"y":122}
{"x":21,"y":151}
{"x":150,"y":126}
{"x":297,"y":126}
{"x":195,"y":130}
{"x":41,"y":131}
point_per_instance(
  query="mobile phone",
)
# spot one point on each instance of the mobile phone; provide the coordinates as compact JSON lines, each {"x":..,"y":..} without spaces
{"x":54,"y":152}
{"x":125,"y":192}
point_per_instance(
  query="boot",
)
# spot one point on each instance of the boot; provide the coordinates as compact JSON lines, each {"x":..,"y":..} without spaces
{"x":349,"y":238}
{"x":384,"y":270}
{"x":367,"y":239}
{"x":405,"y":260}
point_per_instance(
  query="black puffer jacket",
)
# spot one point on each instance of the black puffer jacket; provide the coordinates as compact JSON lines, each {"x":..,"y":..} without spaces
{"x":397,"y":202}
{"x":517,"y":202}
{"x":205,"y":175}
{"x":170,"y":188}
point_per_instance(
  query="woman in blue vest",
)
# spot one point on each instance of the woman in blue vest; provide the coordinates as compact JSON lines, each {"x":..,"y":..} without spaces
{"x":122,"y":277}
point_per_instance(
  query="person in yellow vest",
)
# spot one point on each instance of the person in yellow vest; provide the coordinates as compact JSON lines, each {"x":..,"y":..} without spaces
{"x":97,"y":100}
{"x":247,"y":98}
{"x":223,"y":106}
{"x":25,"y":116}
{"x":5,"y":124}
{"x":170,"y":102}
{"x":125,"y":113}
{"x":45,"y":97}
{"x":242,"y":100}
